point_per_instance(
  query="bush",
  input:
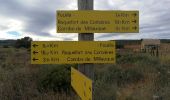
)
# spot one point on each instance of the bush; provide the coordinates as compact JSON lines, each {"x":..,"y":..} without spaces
{"x":5,"y":46}
{"x":54,"y":77}
{"x":23,"y":42}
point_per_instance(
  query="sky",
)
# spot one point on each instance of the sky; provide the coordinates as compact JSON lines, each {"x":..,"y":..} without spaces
{"x":37,"y":19}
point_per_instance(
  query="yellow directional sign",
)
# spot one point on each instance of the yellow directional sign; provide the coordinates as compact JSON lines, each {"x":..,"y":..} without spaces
{"x":94,"y":21}
{"x":68,"y":52}
{"x":81,"y":84}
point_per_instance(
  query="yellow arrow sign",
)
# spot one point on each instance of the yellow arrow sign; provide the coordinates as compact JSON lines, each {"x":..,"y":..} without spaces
{"x":97,"y":21}
{"x":81,"y":84}
{"x":68,"y":52}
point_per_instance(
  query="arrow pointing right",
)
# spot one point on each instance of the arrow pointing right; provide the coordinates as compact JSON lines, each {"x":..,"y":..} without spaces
{"x":134,"y":14}
{"x":134,"y":21}
{"x":135,"y":28}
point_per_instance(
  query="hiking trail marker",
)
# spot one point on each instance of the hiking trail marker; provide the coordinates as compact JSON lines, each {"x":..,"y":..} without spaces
{"x":81,"y":84}
{"x":69,"y":52}
{"x":86,"y":51}
{"x":96,"y":21}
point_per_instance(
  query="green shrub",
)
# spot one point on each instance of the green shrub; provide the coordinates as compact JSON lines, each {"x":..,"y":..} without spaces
{"x":54,"y":77}
{"x":5,"y":46}
{"x":23,"y":42}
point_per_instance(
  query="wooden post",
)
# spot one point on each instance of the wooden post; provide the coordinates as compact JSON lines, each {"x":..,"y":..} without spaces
{"x":86,"y":69}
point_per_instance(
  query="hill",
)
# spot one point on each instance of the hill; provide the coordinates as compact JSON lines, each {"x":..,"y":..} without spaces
{"x":7,"y":42}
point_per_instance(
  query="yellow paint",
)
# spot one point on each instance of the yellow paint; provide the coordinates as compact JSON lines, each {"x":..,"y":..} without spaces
{"x":68,"y":52}
{"x":81,"y":84}
{"x":100,"y":21}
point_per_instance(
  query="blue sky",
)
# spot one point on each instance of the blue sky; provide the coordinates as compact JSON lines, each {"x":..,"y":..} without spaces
{"x":37,"y":18}
{"x":14,"y":33}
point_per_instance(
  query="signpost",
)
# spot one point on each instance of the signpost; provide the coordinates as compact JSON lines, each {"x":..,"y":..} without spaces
{"x":68,"y":52}
{"x":85,"y":52}
{"x":86,"y":68}
{"x":83,"y":89}
{"x":94,"y":21}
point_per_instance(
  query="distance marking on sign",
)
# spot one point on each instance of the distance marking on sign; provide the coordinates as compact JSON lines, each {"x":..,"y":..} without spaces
{"x":68,"y":52}
{"x":97,"y":21}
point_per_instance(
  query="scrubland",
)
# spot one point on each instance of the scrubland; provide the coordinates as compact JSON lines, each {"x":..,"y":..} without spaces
{"x":135,"y":76}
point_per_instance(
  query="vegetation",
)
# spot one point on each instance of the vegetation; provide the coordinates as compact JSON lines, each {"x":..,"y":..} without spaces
{"x":55,"y":78}
{"x":23,"y":42}
{"x":19,"y":80}
{"x":135,"y":76}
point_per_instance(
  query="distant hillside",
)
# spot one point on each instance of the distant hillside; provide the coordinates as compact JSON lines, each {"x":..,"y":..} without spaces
{"x":128,"y":42}
{"x":7,"y":42}
{"x":122,"y":43}
{"x":118,"y":42}
{"x":137,"y":42}
{"x":165,"y":40}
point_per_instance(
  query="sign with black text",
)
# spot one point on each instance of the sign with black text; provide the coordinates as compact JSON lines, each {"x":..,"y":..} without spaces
{"x":68,"y":52}
{"x":97,"y":21}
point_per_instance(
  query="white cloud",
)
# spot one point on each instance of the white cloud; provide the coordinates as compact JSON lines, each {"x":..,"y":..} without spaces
{"x":9,"y":25}
{"x":14,"y":25}
{"x":37,"y":18}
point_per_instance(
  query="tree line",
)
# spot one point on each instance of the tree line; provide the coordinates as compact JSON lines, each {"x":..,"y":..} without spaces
{"x":23,"y":42}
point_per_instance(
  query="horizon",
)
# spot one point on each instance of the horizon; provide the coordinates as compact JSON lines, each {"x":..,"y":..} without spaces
{"x":98,"y":40}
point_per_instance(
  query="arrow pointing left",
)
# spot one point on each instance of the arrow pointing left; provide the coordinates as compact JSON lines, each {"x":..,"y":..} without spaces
{"x":34,"y":59}
{"x":34,"y":45}
{"x":34,"y":52}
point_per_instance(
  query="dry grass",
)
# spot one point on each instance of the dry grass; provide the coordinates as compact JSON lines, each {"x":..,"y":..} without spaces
{"x":164,"y":53}
{"x":123,"y":81}
{"x":154,"y":84}
{"x":18,"y":78}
